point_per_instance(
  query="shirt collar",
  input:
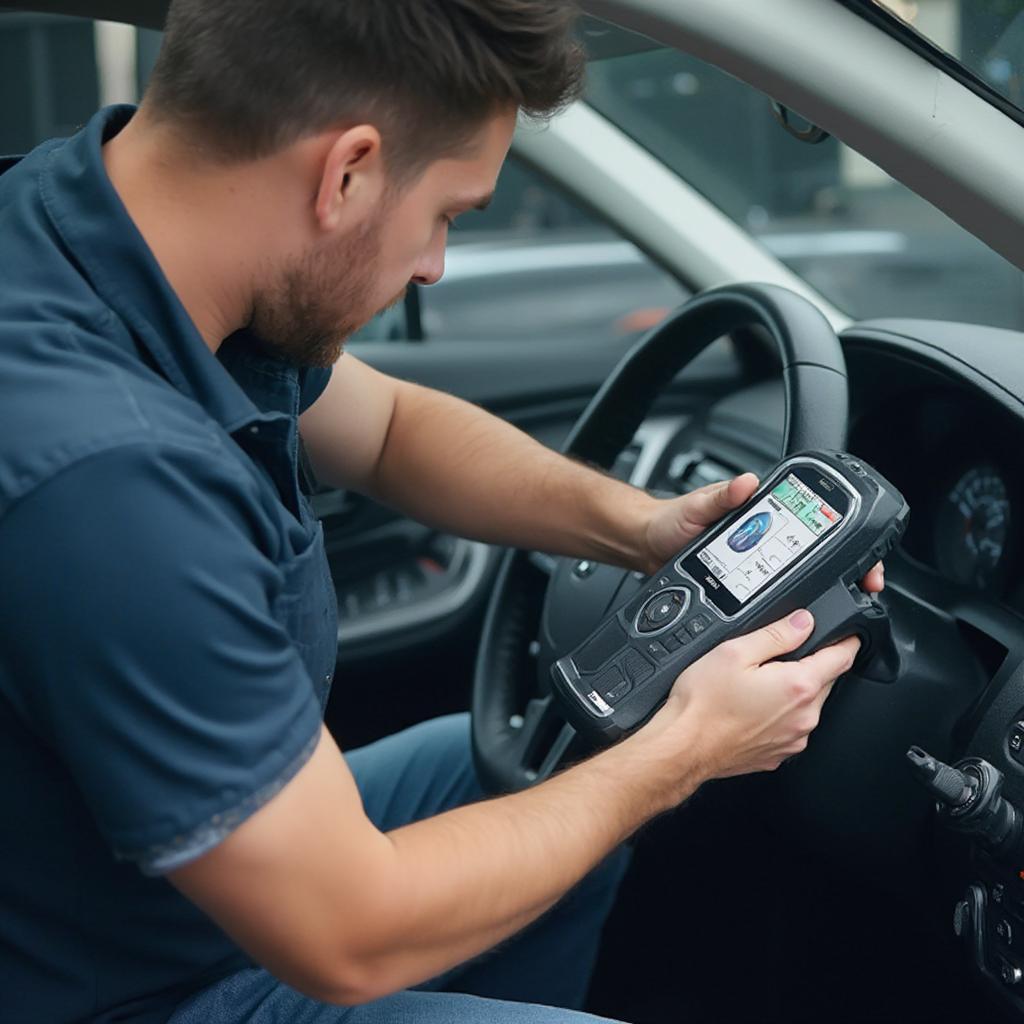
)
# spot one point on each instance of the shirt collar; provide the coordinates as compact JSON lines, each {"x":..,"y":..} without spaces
{"x":89,"y":216}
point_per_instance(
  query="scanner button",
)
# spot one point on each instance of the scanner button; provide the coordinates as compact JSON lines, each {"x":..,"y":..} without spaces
{"x":637,"y":667}
{"x":616,"y":693}
{"x":608,"y":680}
{"x":683,"y":636}
{"x":671,"y":642}
{"x":697,"y":625}
{"x":662,"y":610}
{"x":601,"y":648}
{"x":656,"y":650}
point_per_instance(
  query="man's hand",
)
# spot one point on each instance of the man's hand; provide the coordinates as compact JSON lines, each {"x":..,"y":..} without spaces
{"x":675,"y":523}
{"x":678,"y":521}
{"x":739,"y":710}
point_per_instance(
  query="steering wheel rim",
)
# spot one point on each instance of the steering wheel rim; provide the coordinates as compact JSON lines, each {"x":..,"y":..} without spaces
{"x":518,"y":738}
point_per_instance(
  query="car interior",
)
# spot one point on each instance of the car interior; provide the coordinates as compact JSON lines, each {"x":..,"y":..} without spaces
{"x":829,"y":889}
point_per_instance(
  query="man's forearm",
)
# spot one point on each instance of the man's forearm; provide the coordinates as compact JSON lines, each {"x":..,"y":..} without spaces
{"x":470,"y":878}
{"x":453,"y":465}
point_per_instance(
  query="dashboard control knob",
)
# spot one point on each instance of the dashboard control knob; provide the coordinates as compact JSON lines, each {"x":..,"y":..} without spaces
{"x":969,"y":800}
{"x":961,"y":918}
{"x":951,"y":787}
{"x":1010,"y":973}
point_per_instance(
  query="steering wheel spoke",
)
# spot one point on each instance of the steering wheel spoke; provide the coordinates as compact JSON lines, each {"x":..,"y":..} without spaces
{"x":546,"y":564}
{"x":545,"y":738}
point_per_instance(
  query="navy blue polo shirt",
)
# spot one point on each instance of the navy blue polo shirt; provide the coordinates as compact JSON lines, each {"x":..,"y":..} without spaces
{"x":167,"y":622}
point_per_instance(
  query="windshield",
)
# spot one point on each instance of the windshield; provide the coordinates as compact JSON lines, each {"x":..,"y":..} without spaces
{"x":984,"y":36}
{"x":865,"y":242}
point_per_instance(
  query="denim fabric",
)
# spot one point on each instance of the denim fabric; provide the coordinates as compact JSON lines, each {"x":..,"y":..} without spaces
{"x":538,"y":977}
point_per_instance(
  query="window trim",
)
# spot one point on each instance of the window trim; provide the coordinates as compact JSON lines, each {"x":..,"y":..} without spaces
{"x":885,"y":20}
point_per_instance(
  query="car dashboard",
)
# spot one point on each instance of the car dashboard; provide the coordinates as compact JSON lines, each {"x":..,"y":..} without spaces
{"x":938,"y":408}
{"x":948,"y":433}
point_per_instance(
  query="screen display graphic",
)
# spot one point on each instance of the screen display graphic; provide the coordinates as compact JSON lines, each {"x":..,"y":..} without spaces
{"x":784,"y":524}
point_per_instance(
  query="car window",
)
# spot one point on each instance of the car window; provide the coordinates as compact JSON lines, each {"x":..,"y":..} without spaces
{"x":533,"y":265}
{"x":985,"y":37}
{"x":536,"y":265}
{"x":869,"y":245}
{"x":49,"y":83}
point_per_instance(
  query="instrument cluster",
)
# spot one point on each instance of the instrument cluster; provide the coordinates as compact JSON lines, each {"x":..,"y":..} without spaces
{"x":958,"y":463}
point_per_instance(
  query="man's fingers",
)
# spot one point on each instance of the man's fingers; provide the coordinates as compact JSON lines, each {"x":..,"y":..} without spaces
{"x":874,"y":582}
{"x":775,"y":639}
{"x":831,"y":662}
{"x":707,"y":505}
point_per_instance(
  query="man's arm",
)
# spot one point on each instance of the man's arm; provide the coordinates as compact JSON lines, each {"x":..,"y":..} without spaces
{"x":347,"y":914}
{"x":451,"y":464}
{"x":457,"y":467}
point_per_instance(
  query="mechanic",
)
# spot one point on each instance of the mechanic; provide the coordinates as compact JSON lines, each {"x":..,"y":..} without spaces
{"x":183,"y":840}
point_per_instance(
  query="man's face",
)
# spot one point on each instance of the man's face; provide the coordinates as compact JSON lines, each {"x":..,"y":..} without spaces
{"x":343,"y":282}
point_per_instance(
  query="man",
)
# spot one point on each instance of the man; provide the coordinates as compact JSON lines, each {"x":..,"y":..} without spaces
{"x":177,"y":284}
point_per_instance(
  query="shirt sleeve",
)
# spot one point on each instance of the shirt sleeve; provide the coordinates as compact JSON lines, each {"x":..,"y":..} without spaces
{"x":141,"y":646}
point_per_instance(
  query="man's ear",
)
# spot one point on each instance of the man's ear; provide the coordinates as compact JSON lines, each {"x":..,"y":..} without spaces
{"x":352,"y":177}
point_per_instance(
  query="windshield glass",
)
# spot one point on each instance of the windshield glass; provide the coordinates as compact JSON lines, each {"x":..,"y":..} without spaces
{"x":865,"y":242}
{"x":985,"y":36}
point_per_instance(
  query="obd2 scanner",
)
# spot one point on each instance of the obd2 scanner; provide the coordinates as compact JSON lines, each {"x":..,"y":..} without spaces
{"x":804,"y":540}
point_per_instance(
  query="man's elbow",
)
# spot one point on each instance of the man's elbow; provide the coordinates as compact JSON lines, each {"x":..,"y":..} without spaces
{"x":348,"y":982}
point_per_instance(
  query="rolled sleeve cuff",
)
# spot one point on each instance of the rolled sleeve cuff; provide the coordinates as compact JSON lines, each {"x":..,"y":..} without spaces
{"x":162,"y":858}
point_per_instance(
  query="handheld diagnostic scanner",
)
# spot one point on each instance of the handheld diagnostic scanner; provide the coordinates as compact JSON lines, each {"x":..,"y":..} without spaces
{"x":805,"y":539}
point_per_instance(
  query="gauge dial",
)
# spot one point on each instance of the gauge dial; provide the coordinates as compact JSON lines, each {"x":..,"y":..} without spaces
{"x":972,"y":526}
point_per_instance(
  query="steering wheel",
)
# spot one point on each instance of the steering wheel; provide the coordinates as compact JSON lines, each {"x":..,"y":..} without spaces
{"x":541,"y":608}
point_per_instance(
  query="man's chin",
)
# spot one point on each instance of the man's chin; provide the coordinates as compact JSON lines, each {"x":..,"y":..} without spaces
{"x":396,"y":301}
{"x":321,"y":356}
{"x":328,"y":350}
{"x":329,"y":355}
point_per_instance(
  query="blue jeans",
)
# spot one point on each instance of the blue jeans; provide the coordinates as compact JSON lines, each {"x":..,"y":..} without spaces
{"x":419,"y":773}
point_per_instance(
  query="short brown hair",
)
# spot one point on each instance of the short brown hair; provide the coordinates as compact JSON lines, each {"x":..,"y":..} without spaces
{"x":249,"y":77}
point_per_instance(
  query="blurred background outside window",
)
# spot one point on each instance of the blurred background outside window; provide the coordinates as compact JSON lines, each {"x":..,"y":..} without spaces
{"x":536,"y":265}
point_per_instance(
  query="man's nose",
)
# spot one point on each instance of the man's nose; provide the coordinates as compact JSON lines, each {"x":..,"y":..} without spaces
{"x":430,"y":269}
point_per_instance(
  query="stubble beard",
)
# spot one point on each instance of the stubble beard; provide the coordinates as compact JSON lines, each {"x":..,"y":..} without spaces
{"x":321,"y":300}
